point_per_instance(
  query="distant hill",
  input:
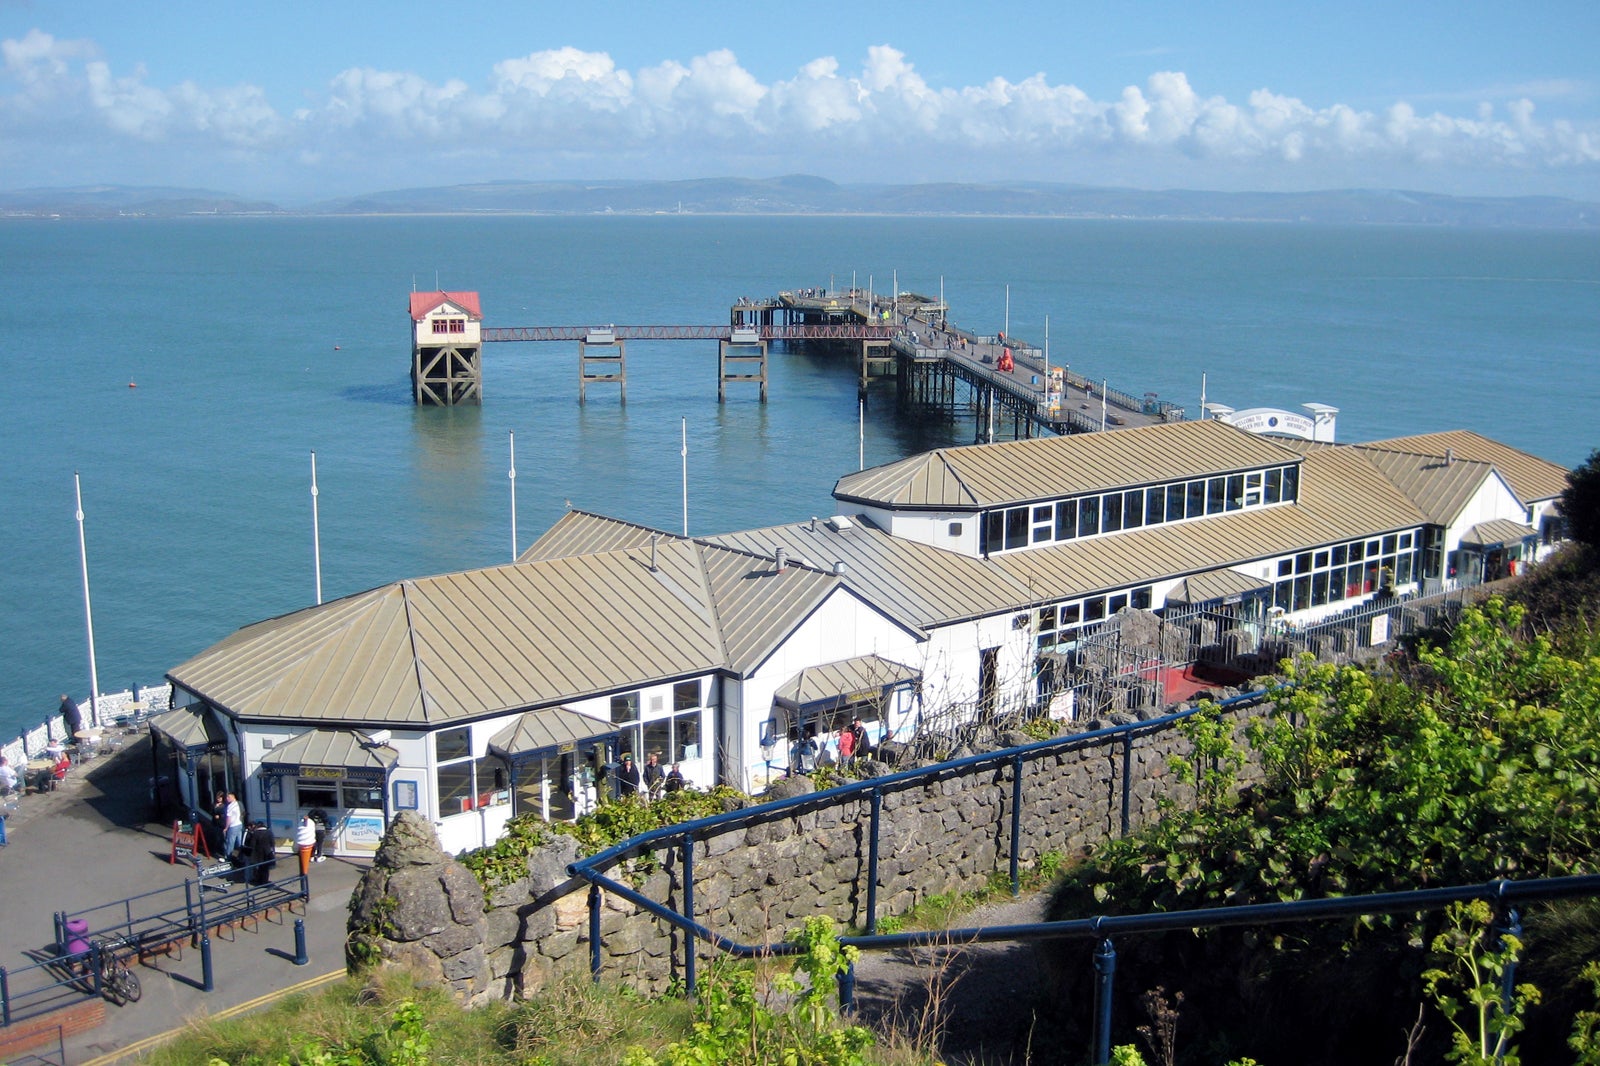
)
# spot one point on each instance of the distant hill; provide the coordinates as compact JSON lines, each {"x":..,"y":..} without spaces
{"x":126,"y":201}
{"x":803,"y":195}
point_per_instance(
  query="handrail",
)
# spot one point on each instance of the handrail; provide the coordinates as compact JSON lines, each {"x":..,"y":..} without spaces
{"x":1502,"y":892}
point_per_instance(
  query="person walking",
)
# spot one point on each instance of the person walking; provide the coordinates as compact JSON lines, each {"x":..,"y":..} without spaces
{"x":305,"y":842}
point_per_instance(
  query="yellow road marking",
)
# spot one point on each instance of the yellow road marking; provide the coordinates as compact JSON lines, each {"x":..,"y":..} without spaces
{"x":239,"y":1008}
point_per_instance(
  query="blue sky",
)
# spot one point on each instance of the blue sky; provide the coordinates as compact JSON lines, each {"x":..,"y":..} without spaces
{"x":295,"y":101}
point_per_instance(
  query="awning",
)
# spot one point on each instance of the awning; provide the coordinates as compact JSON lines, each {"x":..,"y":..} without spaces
{"x":1497,"y":533}
{"x":866,"y":677}
{"x":191,"y":729}
{"x":553,"y":729}
{"x":330,"y":753}
{"x":1225,"y":585}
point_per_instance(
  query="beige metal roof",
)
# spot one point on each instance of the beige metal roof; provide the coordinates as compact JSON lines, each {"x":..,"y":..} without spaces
{"x":551,"y":727}
{"x":1342,"y":496}
{"x":920,"y":585}
{"x":1441,"y":489}
{"x":989,"y":475}
{"x":1529,"y":476}
{"x":1497,"y":531}
{"x":506,"y":638}
{"x":583,"y":532}
{"x":347,"y":748}
{"x":188,"y":727}
{"x":1215,"y":585}
{"x":863,"y":677}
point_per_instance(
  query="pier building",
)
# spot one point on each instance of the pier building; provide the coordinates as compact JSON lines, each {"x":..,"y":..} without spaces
{"x":971,"y":583}
{"x":446,"y":348}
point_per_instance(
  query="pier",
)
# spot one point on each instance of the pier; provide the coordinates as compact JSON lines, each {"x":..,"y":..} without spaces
{"x":1007,"y":384}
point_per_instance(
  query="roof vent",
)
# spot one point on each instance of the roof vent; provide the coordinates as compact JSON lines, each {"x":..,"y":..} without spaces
{"x":653,"y":538}
{"x":780,"y":559}
{"x":839,"y":568}
{"x":1449,"y":456}
{"x":839,"y":523}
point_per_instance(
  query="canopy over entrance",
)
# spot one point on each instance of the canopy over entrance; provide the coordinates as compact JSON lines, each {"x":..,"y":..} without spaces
{"x":862,"y":679}
{"x":1226,"y":586}
{"x":1497,"y":533}
{"x":343,"y":753}
{"x":553,"y":730}
{"x":190,"y":730}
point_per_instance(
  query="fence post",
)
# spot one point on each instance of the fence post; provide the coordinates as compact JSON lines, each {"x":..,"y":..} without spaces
{"x":1105,"y":969}
{"x":594,"y":932}
{"x":1016,"y":825}
{"x":689,"y":942}
{"x":5,"y":998}
{"x":207,"y":974}
{"x":94,"y":967}
{"x":847,"y":989}
{"x":1127,"y":780}
{"x":872,"y":863}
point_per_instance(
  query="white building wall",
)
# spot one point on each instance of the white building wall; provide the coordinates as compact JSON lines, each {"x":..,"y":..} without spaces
{"x":955,"y":531}
{"x":843,"y":627}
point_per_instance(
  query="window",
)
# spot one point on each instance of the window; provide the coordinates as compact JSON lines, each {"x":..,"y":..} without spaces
{"x":1291,"y":484}
{"x":1118,"y":602}
{"x":1252,"y":489}
{"x":1274,"y":492}
{"x":1066,"y":520}
{"x":1111,"y":513}
{"x":955,"y":529}
{"x":1175,"y":502}
{"x":686,"y":695}
{"x":1141,"y":598}
{"x":1088,"y":516}
{"x":452,"y":743}
{"x":1197,"y":499}
{"x":1133,"y":509}
{"x":357,"y":794}
{"x":1155,"y":506}
{"x":449,"y":325}
{"x":1235,"y":492}
{"x":1094,"y":609}
{"x":994,"y":524}
{"x":1216,"y":495}
{"x":625,"y":708}
{"x":317,"y":794}
{"x":1017,"y":527}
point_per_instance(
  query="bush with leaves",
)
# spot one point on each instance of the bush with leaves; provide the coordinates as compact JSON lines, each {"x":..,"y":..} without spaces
{"x":1481,"y":761}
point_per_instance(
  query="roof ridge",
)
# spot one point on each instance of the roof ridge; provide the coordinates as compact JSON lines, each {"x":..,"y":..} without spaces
{"x":416,"y":659}
{"x":698,"y":547}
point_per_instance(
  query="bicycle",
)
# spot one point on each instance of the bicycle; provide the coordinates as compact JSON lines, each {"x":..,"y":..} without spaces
{"x":118,"y":983}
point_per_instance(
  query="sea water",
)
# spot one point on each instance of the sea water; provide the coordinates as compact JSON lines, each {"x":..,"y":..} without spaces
{"x":188,"y":369}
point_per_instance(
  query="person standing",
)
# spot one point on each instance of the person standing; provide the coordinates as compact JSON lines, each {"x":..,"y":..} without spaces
{"x":305,"y":842}
{"x":8,"y":777}
{"x":71,"y":717}
{"x":847,"y":746}
{"x":261,"y":852}
{"x":232,"y":825}
{"x":629,"y":780}
{"x":674,"y":782}
{"x":654,"y":776}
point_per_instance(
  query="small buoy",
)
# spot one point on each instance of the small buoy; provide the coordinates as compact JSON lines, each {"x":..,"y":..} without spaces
{"x":133,"y":384}
{"x":335,"y":347}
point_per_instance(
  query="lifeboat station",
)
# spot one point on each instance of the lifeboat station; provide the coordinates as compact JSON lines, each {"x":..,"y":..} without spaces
{"x":1076,"y":576}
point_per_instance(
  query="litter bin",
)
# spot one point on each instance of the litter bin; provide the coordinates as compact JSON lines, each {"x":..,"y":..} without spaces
{"x":77,"y":945}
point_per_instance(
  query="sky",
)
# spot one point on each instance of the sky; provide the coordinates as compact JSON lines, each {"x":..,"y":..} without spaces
{"x":295,"y":102}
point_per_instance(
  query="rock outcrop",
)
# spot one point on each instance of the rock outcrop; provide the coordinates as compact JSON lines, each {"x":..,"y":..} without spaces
{"x":417,"y":907}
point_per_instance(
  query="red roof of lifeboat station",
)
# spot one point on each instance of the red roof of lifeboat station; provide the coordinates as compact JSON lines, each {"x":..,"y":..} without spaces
{"x":423,"y":302}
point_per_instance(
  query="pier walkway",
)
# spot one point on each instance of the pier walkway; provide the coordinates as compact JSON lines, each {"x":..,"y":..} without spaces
{"x":1006,"y":384}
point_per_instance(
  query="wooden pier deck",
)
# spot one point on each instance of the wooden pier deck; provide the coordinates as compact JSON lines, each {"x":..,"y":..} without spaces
{"x":937,"y":366}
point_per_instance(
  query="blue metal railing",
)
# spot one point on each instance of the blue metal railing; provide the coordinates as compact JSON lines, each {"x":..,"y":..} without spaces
{"x":1503,"y":893}
{"x":164,"y":916}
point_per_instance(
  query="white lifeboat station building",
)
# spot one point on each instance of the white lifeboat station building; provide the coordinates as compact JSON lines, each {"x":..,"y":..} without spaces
{"x":933,"y":596}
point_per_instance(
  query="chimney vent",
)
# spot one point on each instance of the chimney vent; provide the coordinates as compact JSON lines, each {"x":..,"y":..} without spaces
{"x":839,"y":568}
{"x":1449,"y":456}
{"x":780,"y":559}
{"x":653,"y":538}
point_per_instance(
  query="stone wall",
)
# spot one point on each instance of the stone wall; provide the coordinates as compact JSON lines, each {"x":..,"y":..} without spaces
{"x":756,"y":883}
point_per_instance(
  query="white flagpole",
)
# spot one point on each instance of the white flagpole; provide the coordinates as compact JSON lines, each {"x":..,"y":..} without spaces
{"x":316,"y":531}
{"x":683,"y":450}
{"x":513,"y":477}
{"x":861,"y":434}
{"x":88,"y":614}
{"x":1202,"y":394}
{"x":1047,"y":353}
{"x":1008,"y":312}
{"x":1104,"y":385}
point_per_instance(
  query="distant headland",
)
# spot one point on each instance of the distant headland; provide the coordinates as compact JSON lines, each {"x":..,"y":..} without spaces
{"x":805,"y":195}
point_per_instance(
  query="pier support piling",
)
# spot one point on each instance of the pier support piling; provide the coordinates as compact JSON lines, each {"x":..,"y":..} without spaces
{"x":608,"y":366}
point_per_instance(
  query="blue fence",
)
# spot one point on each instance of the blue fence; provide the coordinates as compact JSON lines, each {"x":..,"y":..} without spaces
{"x":1504,"y":894}
{"x":151,"y":923}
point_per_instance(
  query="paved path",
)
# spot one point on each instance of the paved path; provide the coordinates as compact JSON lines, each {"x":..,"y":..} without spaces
{"x":994,"y":998}
{"x":90,"y":843}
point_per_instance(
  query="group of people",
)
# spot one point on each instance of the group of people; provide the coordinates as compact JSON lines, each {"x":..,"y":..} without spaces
{"x":809,"y":750}
{"x":649,"y":781}
{"x":252,"y":845}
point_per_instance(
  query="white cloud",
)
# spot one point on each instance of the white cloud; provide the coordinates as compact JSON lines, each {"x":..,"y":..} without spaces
{"x":568,"y":112}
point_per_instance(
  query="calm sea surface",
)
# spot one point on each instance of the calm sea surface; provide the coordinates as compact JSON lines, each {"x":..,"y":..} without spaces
{"x":255,"y":342}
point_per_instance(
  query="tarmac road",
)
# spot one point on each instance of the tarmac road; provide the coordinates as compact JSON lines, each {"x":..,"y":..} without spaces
{"x":91,"y":843}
